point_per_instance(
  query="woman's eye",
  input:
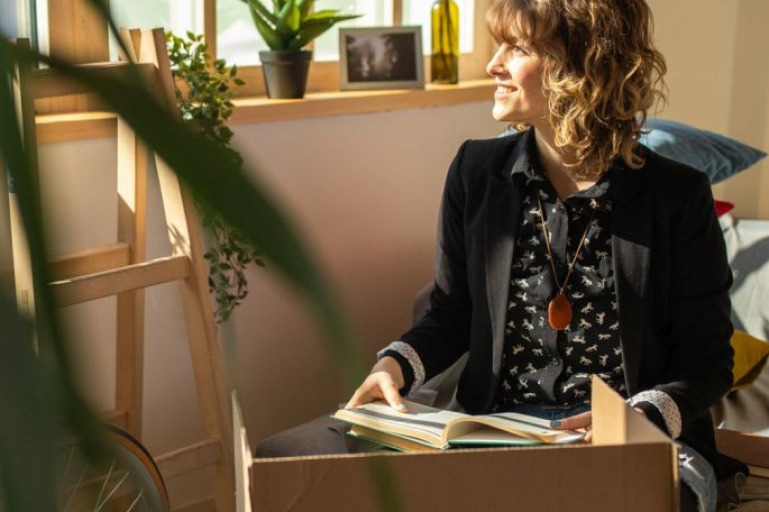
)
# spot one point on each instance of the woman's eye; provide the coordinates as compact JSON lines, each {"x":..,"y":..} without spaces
{"x":520,"y":49}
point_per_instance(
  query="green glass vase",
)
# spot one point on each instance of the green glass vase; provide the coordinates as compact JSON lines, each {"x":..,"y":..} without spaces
{"x":444,"y":60}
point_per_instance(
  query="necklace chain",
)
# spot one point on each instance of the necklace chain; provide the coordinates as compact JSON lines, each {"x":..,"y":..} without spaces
{"x":550,"y":252}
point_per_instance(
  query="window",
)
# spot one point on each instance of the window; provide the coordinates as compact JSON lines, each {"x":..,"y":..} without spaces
{"x":231,"y":35}
{"x":417,"y":12}
{"x":177,"y":16}
{"x":16,"y":19}
{"x":239,"y":42}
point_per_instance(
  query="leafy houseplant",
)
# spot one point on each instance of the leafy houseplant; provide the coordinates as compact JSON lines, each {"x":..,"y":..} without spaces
{"x":42,"y":395}
{"x":287,"y":27}
{"x":204,"y":94}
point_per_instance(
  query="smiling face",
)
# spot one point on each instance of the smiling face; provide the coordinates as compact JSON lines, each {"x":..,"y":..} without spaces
{"x":519,"y":98}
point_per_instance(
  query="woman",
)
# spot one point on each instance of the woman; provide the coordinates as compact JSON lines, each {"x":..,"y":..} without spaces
{"x":568,"y":249}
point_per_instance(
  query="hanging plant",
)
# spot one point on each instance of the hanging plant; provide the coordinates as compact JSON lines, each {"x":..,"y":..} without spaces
{"x":204,"y":92}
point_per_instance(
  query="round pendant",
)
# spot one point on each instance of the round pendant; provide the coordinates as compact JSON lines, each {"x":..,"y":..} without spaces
{"x":559,"y":312}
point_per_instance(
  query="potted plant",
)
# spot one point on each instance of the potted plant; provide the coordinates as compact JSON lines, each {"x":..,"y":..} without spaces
{"x":287,"y":26}
{"x":204,"y":92}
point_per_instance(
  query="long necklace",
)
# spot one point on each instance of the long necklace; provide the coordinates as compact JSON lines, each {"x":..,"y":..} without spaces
{"x":559,"y":311}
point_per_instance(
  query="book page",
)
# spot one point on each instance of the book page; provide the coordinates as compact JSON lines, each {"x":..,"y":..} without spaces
{"x":420,"y":421}
{"x":521,"y":425}
{"x":488,"y":436}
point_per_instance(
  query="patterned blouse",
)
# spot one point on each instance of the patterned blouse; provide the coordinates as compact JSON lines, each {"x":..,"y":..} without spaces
{"x":541,"y":365}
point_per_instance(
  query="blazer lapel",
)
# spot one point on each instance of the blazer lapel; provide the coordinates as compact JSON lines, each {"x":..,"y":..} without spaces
{"x":504,"y":205}
{"x":631,"y":225}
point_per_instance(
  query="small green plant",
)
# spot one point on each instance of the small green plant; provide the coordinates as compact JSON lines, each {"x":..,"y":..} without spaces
{"x":204,"y":92}
{"x":292,"y":24}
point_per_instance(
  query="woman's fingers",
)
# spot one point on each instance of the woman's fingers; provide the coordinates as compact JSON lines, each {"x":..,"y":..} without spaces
{"x":582,"y":420}
{"x":391,"y":394}
{"x":378,"y":385}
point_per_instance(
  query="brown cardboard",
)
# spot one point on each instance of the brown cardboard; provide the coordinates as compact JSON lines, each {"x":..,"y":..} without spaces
{"x":630,"y":468}
{"x":749,"y":448}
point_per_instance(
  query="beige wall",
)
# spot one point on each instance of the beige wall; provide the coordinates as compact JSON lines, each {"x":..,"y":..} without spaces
{"x":364,"y":191}
{"x":719,"y":80}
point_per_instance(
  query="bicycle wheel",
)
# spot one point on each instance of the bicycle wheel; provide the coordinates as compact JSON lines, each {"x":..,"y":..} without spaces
{"x":127,"y":480}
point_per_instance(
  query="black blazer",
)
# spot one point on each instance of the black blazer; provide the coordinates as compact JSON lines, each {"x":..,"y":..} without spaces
{"x":671,"y":273}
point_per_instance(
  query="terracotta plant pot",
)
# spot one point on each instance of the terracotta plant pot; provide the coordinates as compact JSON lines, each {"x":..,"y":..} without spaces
{"x":285,"y":72}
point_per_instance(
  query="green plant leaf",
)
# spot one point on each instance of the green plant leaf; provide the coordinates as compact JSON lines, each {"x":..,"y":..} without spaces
{"x":313,"y":28}
{"x":27,"y":428}
{"x":323,"y":17}
{"x":268,"y":33}
{"x":305,"y":6}
{"x":259,"y":7}
{"x":58,"y":391}
{"x":238,"y":198}
{"x":324,"y":13}
{"x":288,"y":20}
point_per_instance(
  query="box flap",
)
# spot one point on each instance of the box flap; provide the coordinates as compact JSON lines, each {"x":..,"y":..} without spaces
{"x":615,"y":422}
{"x":749,"y":448}
{"x":242,"y":452}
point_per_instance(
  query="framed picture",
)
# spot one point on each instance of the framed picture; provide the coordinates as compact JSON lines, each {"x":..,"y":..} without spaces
{"x":380,"y":58}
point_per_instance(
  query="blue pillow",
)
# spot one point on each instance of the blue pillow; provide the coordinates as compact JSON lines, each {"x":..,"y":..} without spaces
{"x":716,"y":155}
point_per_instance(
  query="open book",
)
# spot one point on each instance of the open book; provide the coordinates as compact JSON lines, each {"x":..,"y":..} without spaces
{"x":425,"y":428}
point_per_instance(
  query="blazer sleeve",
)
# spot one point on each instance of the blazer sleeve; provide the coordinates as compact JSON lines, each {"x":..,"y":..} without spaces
{"x":698,"y":371}
{"x":441,"y":336}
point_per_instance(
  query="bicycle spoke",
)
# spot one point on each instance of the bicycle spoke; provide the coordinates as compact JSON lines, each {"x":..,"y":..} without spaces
{"x":113,"y":491}
{"x":135,"y":501}
{"x":129,"y":483}
{"x":75,"y":489}
{"x":106,"y":481}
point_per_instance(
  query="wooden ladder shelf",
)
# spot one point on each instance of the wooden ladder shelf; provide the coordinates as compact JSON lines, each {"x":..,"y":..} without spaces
{"x":121,"y":269}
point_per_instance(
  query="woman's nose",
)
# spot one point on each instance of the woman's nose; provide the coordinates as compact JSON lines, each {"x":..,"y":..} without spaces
{"x":495,"y":65}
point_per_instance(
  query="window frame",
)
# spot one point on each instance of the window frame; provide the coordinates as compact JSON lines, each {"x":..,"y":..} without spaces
{"x":79,"y":35}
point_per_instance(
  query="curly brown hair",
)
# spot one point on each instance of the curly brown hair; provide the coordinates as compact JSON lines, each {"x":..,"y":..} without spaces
{"x":601,"y":71}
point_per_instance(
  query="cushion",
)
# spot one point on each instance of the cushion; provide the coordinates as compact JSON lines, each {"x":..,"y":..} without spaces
{"x":716,"y":155}
{"x":747,"y":247}
{"x":750,"y":355}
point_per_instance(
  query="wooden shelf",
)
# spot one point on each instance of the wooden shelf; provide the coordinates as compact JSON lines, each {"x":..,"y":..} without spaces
{"x":90,"y":125}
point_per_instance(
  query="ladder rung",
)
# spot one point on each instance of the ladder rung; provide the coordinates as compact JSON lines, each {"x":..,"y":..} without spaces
{"x":189,"y":458}
{"x":80,"y":263}
{"x":89,"y":261}
{"x":80,"y":125}
{"x":116,"y":417}
{"x":124,"y":279}
{"x":48,"y":83}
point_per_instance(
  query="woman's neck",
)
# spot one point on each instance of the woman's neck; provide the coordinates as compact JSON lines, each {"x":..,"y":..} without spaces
{"x":557,"y":164}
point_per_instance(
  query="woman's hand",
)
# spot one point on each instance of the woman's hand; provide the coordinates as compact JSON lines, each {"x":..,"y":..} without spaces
{"x":384,"y":381}
{"x":582,"y":421}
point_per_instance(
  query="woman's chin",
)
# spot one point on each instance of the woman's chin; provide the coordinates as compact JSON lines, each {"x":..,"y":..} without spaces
{"x":500,"y":114}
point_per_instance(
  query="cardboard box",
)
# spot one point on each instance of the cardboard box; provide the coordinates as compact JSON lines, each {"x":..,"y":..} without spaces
{"x":631,"y":466}
{"x":750,"y":448}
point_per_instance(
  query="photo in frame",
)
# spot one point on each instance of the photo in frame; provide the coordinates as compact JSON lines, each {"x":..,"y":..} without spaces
{"x":380,"y":58}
